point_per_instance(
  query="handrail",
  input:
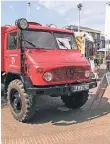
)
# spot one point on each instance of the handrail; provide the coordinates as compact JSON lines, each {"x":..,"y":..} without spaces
{"x":35,"y":23}
{"x":8,"y":25}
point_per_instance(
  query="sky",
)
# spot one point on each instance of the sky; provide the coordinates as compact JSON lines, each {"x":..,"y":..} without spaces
{"x":60,"y":13}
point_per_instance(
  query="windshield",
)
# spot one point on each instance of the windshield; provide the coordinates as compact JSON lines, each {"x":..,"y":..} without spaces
{"x":65,"y":41}
{"x":48,"y":40}
{"x":38,"y":39}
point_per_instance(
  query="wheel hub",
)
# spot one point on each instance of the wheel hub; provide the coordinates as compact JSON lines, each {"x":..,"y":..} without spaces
{"x":15,"y":100}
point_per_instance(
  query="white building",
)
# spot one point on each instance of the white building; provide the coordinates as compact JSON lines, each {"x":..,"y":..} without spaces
{"x":107,"y":26}
{"x":94,"y":33}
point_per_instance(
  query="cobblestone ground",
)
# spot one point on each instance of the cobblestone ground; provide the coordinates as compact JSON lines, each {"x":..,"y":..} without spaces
{"x":53,"y":125}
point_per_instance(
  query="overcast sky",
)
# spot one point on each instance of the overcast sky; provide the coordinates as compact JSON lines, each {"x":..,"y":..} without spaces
{"x":60,"y":13}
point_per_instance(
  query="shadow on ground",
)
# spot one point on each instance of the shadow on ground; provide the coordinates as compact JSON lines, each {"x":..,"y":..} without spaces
{"x":53,"y":110}
{"x":64,"y":118}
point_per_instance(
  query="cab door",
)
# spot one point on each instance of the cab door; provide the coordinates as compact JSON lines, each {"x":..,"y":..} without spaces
{"x":12,"y":52}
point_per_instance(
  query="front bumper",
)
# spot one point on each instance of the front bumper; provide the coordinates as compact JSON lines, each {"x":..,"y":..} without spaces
{"x":60,"y":89}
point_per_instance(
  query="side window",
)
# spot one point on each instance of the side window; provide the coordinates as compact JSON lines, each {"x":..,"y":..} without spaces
{"x":12,"y":41}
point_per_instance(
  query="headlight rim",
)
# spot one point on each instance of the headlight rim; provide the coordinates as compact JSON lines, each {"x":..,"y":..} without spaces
{"x":44,"y":78}
{"x":17,"y":23}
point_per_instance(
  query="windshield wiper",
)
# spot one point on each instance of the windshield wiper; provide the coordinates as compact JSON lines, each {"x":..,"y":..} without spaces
{"x":62,"y":44}
{"x":37,"y":47}
{"x":30,"y":43}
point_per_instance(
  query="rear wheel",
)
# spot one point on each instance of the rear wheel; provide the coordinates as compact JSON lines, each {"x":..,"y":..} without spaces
{"x":75,"y":100}
{"x":21,"y":104}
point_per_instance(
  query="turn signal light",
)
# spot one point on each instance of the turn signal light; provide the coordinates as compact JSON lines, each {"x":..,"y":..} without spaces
{"x":87,"y":74}
{"x":40,"y":70}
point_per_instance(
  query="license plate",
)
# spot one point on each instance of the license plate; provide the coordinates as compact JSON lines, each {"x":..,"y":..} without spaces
{"x":79,"y":88}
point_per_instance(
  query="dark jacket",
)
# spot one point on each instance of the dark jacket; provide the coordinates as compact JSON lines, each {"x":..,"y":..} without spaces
{"x":108,"y":61}
{"x":108,"y":56}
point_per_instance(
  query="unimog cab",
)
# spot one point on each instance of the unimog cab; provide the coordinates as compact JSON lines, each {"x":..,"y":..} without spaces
{"x":42,"y":60}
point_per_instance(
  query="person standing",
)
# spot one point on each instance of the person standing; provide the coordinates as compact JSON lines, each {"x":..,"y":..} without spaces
{"x":108,"y":61}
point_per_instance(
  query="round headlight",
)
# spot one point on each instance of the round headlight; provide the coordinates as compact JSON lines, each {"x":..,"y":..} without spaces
{"x":21,"y":23}
{"x":48,"y":76}
{"x":87,"y":74}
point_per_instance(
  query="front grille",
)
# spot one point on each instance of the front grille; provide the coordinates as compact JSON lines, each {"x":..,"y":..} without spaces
{"x":68,"y":73}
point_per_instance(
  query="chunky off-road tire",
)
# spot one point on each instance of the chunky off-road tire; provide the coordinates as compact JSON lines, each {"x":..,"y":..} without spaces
{"x":27,"y":109}
{"x":76,"y":100}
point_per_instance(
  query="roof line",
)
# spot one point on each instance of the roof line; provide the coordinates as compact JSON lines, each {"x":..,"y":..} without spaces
{"x":83,"y":28}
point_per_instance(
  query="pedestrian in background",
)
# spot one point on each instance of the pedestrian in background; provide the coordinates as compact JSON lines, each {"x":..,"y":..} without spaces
{"x":108,"y":61}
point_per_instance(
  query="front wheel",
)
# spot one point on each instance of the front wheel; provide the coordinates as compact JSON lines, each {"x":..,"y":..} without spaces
{"x":75,"y":100}
{"x":21,"y":104}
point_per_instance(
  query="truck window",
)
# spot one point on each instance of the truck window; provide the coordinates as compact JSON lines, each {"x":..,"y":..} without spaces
{"x":48,"y":40}
{"x":38,"y":39}
{"x":65,"y":40}
{"x":12,"y":41}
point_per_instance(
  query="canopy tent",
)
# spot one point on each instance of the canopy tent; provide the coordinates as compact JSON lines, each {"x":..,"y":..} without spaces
{"x":101,"y":50}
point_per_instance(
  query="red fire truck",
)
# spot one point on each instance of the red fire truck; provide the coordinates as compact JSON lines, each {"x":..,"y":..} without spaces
{"x":41,"y":60}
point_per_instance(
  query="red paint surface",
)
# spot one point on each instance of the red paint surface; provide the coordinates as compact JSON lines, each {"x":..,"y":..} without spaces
{"x":40,"y":58}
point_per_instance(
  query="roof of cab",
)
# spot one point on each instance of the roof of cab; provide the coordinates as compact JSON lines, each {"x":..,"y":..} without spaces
{"x":44,"y":28}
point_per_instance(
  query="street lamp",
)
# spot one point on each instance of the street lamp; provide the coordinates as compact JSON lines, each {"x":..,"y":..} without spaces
{"x":79,"y":8}
{"x":28,"y":9}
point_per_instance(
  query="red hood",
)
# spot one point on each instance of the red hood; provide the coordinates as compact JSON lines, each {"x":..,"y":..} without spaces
{"x":56,"y":56}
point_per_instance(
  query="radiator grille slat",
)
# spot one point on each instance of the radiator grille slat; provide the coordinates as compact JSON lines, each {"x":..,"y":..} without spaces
{"x":68,"y":73}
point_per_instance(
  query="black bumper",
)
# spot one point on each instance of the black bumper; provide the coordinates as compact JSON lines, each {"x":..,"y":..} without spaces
{"x":93,"y":84}
{"x":58,"y":90}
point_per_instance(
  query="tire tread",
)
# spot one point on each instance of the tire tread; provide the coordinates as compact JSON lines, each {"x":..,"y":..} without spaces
{"x":29,"y":100}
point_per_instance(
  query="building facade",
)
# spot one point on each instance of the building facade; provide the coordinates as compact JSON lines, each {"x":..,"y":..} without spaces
{"x":107,"y":26}
{"x":94,"y":33}
{"x":102,"y":41}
